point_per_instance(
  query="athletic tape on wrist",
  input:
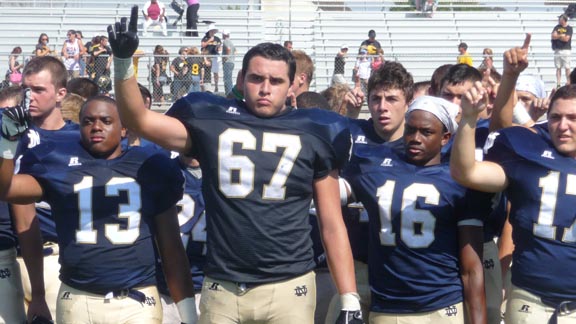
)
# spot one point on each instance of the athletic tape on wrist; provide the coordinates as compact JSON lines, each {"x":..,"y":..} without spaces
{"x":7,"y":148}
{"x":350,"y":301}
{"x":187,"y":310}
{"x":123,"y":68}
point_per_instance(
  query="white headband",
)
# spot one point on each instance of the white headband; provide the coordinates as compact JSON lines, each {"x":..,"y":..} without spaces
{"x":532,"y":84}
{"x":444,"y":110}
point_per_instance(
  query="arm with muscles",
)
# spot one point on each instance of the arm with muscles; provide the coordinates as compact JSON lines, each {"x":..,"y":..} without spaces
{"x":470,"y":239}
{"x":27,"y":228}
{"x":163,"y":130}
{"x":515,"y":61}
{"x":483,"y":176}
{"x":175,"y":264}
{"x":337,"y":246}
{"x":23,"y":189}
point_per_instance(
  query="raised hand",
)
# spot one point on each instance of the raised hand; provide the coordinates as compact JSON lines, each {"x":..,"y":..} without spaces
{"x":16,"y":120}
{"x":124,"y":39}
{"x":473,"y":101}
{"x":516,"y":59}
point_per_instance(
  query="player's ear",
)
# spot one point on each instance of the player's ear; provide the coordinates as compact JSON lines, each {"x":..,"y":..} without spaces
{"x":446,"y":138}
{"x":60,"y":94}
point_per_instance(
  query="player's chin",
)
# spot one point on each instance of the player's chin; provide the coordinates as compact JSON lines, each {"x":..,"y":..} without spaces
{"x":265,"y":111}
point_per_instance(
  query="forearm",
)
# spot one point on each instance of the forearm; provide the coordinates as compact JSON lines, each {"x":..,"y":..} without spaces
{"x":27,"y":228}
{"x":474,"y":296}
{"x":462,"y":157}
{"x":504,"y":103}
{"x":130,"y":103}
{"x":472,"y":272}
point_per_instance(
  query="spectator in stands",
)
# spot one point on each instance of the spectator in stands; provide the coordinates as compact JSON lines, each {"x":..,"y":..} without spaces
{"x":192,"y":17}
{"x":14,"y":67}
{"x":42,"y":48}
{"x":159,"y":74}
{"x":562,"y":46}
{"x":83,"y":52}
{"x":377,"y":60}
{"x":181,"y":72}
{"x":71,"y":51}
{"x":430,"y":8}
{"x":339,"y":66}
{"x":93,"y":44}
{"x":371,"y":45}
{"x":197,"y":63}
{"x":464,"y":57}
{"x":212,"y":46}
{"x":488,"y":61}
{"x":288,"y":45}
{"x":154,"y":15}
{"x":228,"y":56}
{"x":362,"y":70}
{"x":102,"y":59}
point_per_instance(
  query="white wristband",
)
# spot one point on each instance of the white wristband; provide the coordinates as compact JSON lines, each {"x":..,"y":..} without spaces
{"x":187,"y":310}
{"x":350,"y":301}
{"x":123,"y":68}
{"x":8,"y":148}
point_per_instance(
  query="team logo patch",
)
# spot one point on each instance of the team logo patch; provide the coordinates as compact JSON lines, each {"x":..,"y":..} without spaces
{"x":387,"y":162}
{"x":5,"y":273}
{"x":547,"y":154}
{"x":489,"y":264}
{"x":66,"y":296}
{"x":301,"y":291}
{"x":232,"y":110}
{"x":214,"y":286}
{"x":150,"y":301}
{"x":74,"y":161}
{"x":451,"y":310}
{"x":525,"y":309}
{"x":361,"y":139}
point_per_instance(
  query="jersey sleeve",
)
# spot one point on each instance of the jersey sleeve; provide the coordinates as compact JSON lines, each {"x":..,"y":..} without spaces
{"x":337,"y":152}
{"x":473,"y":209}
{"x":498,"y":149}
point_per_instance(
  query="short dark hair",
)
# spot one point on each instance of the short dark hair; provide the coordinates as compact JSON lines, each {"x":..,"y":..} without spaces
{"x":271,"y":51}
{"x":392,"y":75}
{"x":83,"y":87}
{"x":145,"y":94}
{"x":460,"y":73}
{"x":566,"y":92}
{"x":463,"y":45}
{"x":102,"y":98}
{"x":310,"y":99}
{"x":436,"y":80}
{"x":12,"y":92}
{"x":372,"y":33}
{"x":48,"y":63}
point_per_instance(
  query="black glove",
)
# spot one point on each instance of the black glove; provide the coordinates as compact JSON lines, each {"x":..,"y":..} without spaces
{"x":16,"y":120}
{"x":350,"y":317}
{"x":124,"y":42}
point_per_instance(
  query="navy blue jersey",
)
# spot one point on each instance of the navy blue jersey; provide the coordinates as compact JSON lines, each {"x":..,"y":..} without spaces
{"x":257,"y":183}
{"x":192,"y":220}
{"x":542,"y":190}
{"x":33,"y":137}
{"x":104,"y":211}
{"x":414,"y":214}
{"x":363,"y":135}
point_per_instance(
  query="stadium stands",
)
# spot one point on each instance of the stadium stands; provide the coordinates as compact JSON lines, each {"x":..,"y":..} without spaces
{"x":419,"y":42}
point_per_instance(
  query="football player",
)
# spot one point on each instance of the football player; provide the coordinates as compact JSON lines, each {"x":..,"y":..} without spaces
{"x":425,"y":230}
{"x":12,"y":307}
{"x":109,"y":206}
{"x":46,"y":77}
{"x":534,"y":170}
{"x":262,"y":163}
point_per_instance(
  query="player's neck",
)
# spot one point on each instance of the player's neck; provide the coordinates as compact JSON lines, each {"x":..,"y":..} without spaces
{"x":52,"y":121}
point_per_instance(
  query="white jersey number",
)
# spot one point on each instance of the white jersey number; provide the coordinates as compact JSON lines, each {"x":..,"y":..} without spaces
{"x":198,"y":233}
{"x":416,"y":225}
{"x":86,"y":234}
{"x":544,"y":228}
{"x":230,"y":164}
